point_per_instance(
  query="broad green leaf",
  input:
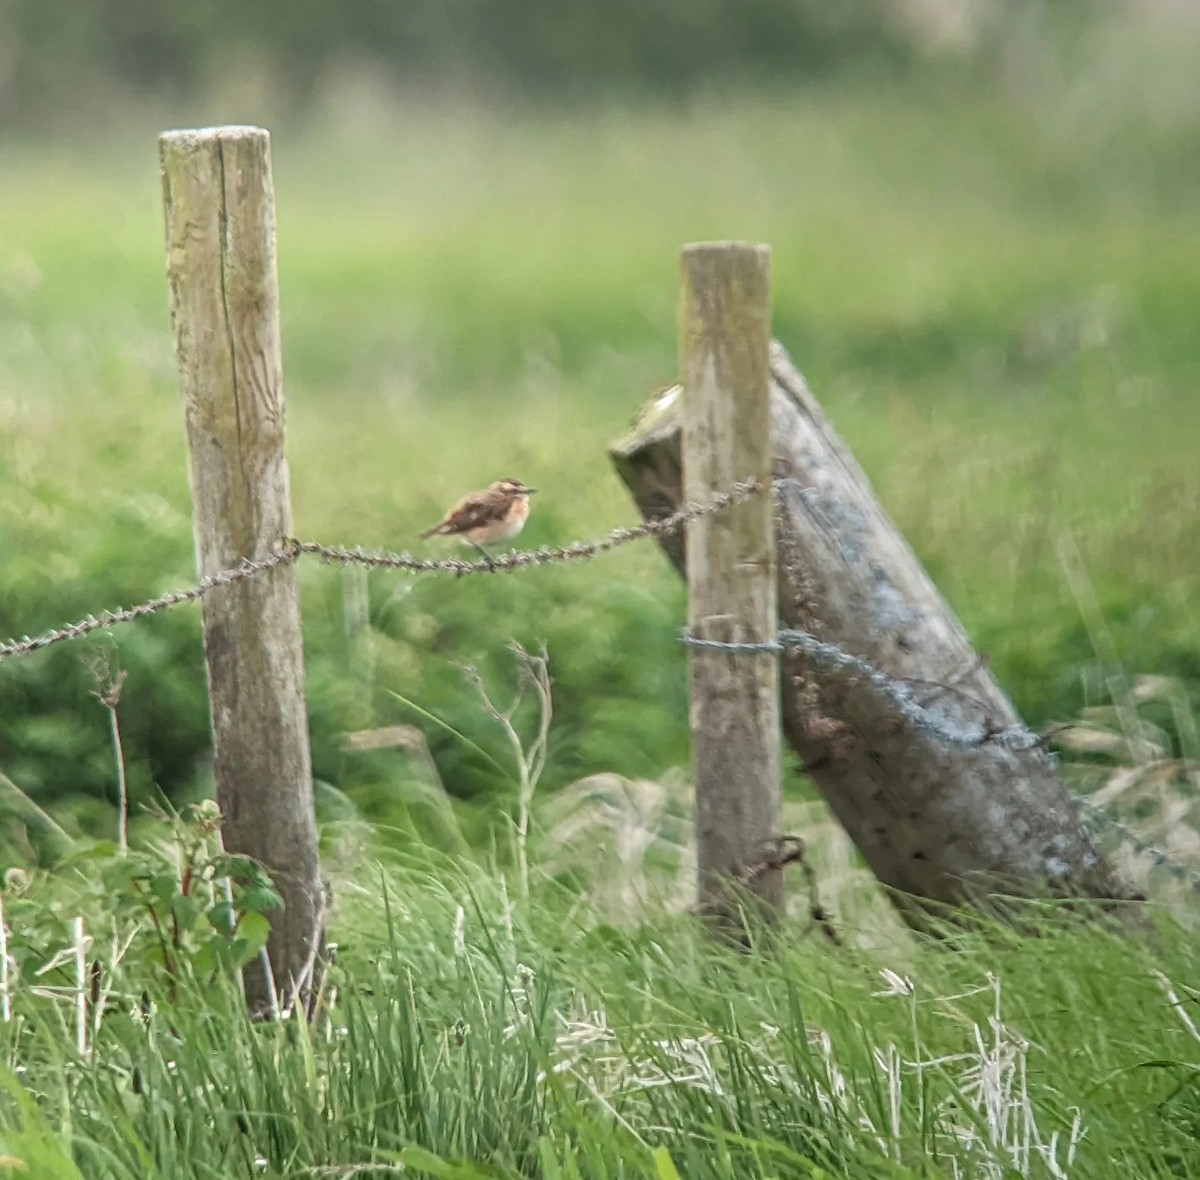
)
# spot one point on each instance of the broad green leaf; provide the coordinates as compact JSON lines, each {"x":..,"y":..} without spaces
{"x":664,"y":1166}
{"x":255,"y":929}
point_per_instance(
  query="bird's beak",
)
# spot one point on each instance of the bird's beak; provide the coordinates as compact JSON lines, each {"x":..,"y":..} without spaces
{"x":530,"y":491}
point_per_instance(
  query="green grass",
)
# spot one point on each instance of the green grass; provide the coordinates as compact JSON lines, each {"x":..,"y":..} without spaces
{"x":995,"y":305}
{"x":993,"y":295}
{"x":467,"y":1034}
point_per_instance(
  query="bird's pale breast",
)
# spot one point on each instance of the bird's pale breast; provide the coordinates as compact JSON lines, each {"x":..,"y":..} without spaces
{"x":503,"y":528}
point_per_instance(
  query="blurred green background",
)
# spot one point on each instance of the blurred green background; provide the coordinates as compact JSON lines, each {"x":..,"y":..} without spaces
{"x":986,"y":261}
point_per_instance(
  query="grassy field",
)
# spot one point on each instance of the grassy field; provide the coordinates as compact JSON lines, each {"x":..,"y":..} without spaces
{"x":994,"y":297}
{"x":995,"y":305}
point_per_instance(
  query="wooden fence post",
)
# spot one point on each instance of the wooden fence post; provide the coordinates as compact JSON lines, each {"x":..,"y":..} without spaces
{"x":219,"y":210}
{"x":724,"y":342}
{"x":942,"y":824}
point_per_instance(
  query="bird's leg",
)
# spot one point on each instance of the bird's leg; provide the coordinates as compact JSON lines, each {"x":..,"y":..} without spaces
{"x":491,"y":565}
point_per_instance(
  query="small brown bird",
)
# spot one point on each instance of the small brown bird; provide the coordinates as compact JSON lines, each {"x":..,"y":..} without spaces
{"x":498,"y":513}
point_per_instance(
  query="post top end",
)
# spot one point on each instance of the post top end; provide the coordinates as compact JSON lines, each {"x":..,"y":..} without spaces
{"x":198,"y":135}
{"x":726,"y":247}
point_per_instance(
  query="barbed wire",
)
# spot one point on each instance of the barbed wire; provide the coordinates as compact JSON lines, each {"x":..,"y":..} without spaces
{"x":778,"y":854}
{"x":1016,"y":737}
{"x":290,"y":550}
{"x":247,"y":569}
{"x":1099,"y":819}
{"x":548,"y":554}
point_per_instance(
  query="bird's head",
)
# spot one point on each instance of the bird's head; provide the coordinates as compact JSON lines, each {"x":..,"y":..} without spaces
{"x":513,"y":487}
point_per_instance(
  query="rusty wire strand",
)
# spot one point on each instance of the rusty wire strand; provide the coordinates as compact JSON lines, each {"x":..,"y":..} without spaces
{"x":290,"y":550}
{"x":776,"y":856}
{"x":129,"y":614}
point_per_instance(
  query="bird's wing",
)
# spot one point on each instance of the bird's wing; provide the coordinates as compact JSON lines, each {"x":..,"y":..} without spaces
{"x":472,"y":511}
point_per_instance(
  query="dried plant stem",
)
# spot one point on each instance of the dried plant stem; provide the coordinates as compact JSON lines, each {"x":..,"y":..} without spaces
{"x":114,"y":723}
{"x":5,"y":1001}
{"x":269,"y":975}
{"x":108,"y":693}
{"x":227,"y":892}
{"x":533,"y":671}
{"x":79,"y":947}
{"x":532,"y":761}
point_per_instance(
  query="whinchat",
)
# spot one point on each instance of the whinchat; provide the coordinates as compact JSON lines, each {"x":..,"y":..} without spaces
{"x":498,"y":513}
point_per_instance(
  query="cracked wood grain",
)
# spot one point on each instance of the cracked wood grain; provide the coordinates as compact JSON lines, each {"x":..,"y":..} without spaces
{"x":219,"y":212}
{"x":724,"y":337}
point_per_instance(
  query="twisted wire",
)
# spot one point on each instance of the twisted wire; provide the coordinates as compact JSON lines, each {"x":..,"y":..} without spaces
{"x":290,"y":550}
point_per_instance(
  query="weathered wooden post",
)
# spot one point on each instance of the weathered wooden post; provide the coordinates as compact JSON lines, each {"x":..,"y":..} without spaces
{"x":724,"y":342}
{"x":219,"y":209}
{"x":942,"y":823}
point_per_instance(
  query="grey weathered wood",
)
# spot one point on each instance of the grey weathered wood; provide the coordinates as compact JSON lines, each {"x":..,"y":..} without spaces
{"x":224,"y":297}
{"x":934,"y":821}
{"x":724,"y":338}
